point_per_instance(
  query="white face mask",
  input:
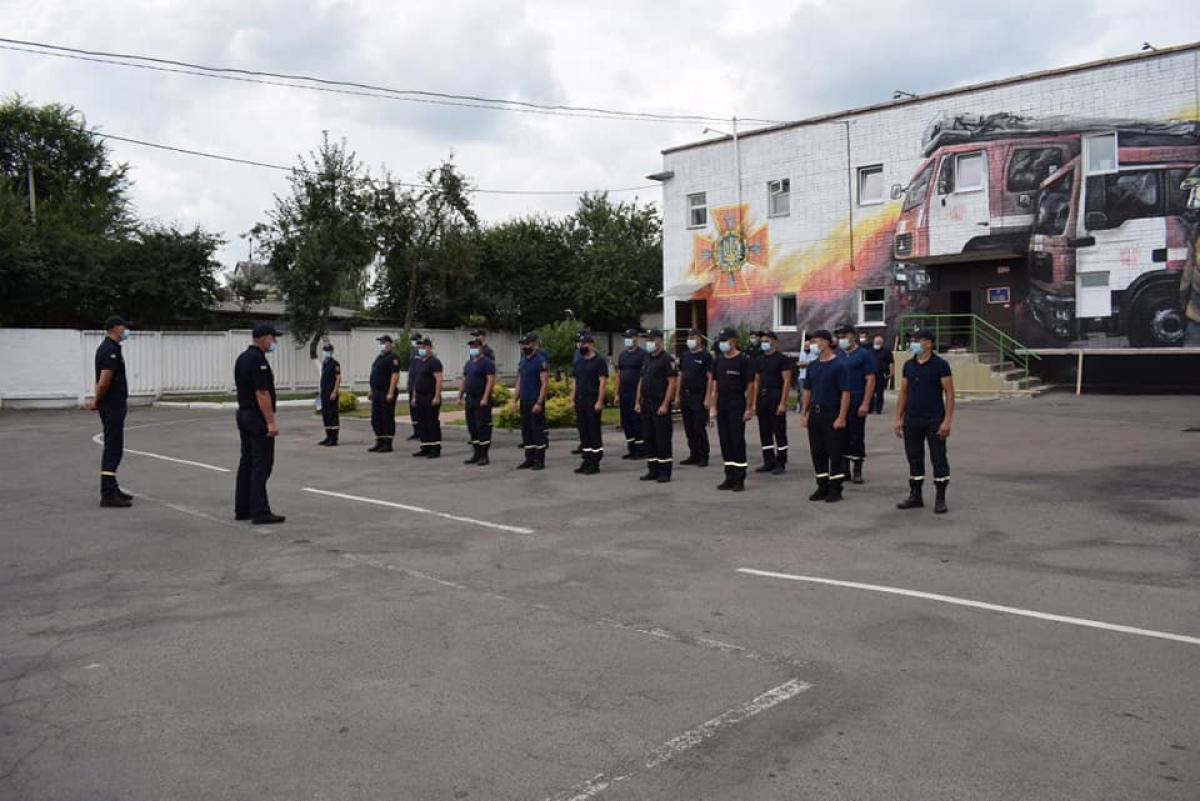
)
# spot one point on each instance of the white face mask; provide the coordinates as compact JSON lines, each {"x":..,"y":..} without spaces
{"x":844,"y":343}
{"x":326,"y":355}
{"x":382,"y":347}
{"x":724,"y":346}
{"x":628,"y":342}
{"x":878,"y":346}
{"x":693,"y":344}
{"x":473,"y":352}
{"x":814,"y":349}
{"x":651,"y":346}
{"x":422,"y":352}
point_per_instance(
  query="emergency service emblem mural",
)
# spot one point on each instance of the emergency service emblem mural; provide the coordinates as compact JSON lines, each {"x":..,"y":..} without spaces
{"x":732,"y":253}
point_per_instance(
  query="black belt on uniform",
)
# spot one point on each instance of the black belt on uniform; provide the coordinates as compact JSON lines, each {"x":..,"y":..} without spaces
{"x":819,"y":408}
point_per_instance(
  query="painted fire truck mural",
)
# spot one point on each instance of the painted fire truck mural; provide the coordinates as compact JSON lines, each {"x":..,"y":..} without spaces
{"x":1092,"y":214}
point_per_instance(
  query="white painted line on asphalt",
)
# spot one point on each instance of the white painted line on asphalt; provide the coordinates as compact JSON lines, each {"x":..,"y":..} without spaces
{"x":951,"y":599}
{"x":384,"y":565}
{"x":684,"y":742}
{"x":99,"y":440}
{"x":421,"y":510}
{"x":702,"y":642}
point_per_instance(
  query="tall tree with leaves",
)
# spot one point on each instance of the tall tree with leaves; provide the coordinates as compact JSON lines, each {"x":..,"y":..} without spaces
{"x":320,"y":238}
{"x":425,"y":246}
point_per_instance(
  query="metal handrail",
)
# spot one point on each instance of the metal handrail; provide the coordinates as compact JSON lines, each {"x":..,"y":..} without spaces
{"x":980,"y":330}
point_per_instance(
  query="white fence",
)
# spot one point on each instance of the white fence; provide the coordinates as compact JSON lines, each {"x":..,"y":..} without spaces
{"x":54,"y":366}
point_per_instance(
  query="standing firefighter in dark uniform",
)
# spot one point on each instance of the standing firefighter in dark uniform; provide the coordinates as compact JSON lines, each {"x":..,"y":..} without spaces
{"x":772,"y":385}
{"x":331,"y":383}
{"x":825,"y":408}
{"x":695,"y":375}
{"x":923,"y":411}
{"x":256,"y":427}
{"x":860,"y":372}
{"x":629,"y":372}
{"x":475,"y":393}
{"x":533,"y":381}
{"x":885,"y":368}
{"x":732,"y":401}
{"x":385,"y":375}
{"x":413,"y":344}
{"x":655,"y":391}
{"x":426,"y":383}
{"x":485,"y":349}
{"x":111,"y":398}
{"x":590,"y":375}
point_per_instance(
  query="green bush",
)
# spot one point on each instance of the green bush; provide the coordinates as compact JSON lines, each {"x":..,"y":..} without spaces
{"x":347,"y":400}
{"x":560,"y":413}
{"x":610,"y":391}
{"x":558,"y":388}
{"x":507,"y":416}
{"x":500,"y":395}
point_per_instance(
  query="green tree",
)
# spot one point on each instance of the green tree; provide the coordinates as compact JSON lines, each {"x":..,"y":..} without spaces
{"x":558,"y":340}
{"x":521,"y":274}
{"x":160,"y":275}
{"x":320,"y":239}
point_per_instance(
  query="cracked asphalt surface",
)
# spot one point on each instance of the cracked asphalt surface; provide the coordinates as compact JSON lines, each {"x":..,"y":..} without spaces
{"x":362,"y":652}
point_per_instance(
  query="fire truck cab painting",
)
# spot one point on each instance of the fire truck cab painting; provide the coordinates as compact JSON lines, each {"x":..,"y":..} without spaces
{"x":1094,"y":209}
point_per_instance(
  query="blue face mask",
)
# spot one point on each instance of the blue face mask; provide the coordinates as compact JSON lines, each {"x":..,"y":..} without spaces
{"x":724,"y":346}
{"x":651,"y":346}
{"x":125,"y":335}
{"x":814,"y":349}
{"x":473,"y":352}
{"x":914,"y":348}
{"x":422,"y":352}
{"x":766,"y":346}
{"x":271,"y":348}
{"x":844,"y":343}
{"x":628,"y":342}
{"x":326,"y":355}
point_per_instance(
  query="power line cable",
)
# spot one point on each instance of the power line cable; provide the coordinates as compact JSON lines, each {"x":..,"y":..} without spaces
{"x":354,"y":88}
{"x":283,"y":168}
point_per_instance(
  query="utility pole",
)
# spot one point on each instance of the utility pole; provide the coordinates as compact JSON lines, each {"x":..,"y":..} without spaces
{"x":849,"y":189}
{"x":32,"y":191}
{"x":737,"y":161}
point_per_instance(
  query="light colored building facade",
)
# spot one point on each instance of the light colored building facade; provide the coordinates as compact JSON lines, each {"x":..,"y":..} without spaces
{"x":1047,"y":204}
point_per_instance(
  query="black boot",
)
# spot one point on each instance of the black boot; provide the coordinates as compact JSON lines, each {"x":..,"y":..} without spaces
{"x":333,"y":438}
{"x":692,"y":459}
{"x":822,"y":490}
{"x":729,"y":481}
{"x":651,"y":471}
{"x":114,"y":501}
{"x":630,"y":451}
{"x":664,"y":472}
{"x":584,"y":465}
{"x":939,"y":502}
{"x":326,"y":440}
{"x":423,"y":452}
{"x":914,"y":500}
{"x":434,"y":452}
{"x":856,"y":467}
{"x":385,"y":445}
{"x":529,"y":460}
{"x":702,"y":461}
{"x":780,"y":463}
{"x":768,"y":461}
{"x":377,"y":447}
{"x":539,"y":459}
{"x":835,"y":491}
{"x":474,"y":454}
{"x":739,"y":479}
{"x":123,"y":495}
{"x":414,"y":436}
{"x":483,"y":456}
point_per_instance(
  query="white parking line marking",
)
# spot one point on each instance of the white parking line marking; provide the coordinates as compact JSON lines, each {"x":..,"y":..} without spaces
{"x":99,"y":440}
{"x":421,"y":510}
{"x":950,"y":599}
{"x":684,"y":742}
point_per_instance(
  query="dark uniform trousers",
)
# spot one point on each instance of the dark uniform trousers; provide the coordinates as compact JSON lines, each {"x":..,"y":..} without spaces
{"x":772,"y":427}
{"x":731,"y":430}
{"x":254,"y":468}
{"x":631,"y":421}
{"x":695,"y":422}
{"x":383,"y":415}
{"x":112,"y":418}
{"x":916,"y":434}
{"x":856,"y":435}
{"x":827,"y":444}
{"x":587,"y":421}
{"x":429,"y":423}
{"x":657,"y":430}
{"x":330,"y":416}
{"x":479,"y":421}
{"x":877,"y":398}
{"x":533,"y":432}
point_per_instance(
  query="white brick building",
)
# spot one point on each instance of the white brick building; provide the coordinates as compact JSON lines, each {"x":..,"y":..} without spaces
{"x":810,"y":186}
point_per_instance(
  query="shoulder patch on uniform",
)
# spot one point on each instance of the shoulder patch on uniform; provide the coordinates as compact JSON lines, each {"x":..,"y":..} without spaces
{"x":264,"y":367}
{"x":112,"y":355}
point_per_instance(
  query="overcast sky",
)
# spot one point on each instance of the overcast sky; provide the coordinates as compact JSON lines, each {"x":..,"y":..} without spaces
{"x":774,"y":59}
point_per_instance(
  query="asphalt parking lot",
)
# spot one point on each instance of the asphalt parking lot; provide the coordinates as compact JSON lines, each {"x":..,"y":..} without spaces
{"x":428,"y":630}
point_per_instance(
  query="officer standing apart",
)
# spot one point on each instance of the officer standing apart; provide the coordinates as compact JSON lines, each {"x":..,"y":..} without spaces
{"x":885,"y":369}
{"x":732,"y":400}
{"x":110,"y":398}
{"x":414,"y":343}
{"x":695,"y":376}
{"x":860,"y":372}
{"x":590,"y":375}
{"x":426,"y":383}
{"x":385,"y":375}
{"x":479,"y":376}
{"x":772,"y":385}
{"x":257,"y":427}
{"x":655,"y":391}
{"x":331,"y":383}
{"x":533,"y":380}
{"x":629,"y":373}
{"x":825,"y":408}
{"x":923,"y":411}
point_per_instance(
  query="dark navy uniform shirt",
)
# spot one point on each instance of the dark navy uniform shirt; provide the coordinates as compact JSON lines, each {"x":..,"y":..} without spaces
{"x":925,"y":402}
{"x":695,"y":367}
{"x":629,"y":369}
{"x":658,"y":369}
{"x":330,"y":370}
{"x":827,"y":381}
{"x":770,"y":369}
{"x":733,"y":374}
{"x":475,"y":373}
{"x":529,"y":375}
{"x":587,"y":373}
{"x":109,"y":357}
{"x":423,"y":377}
{"x":383,"y":368}
{"x":860,"y":363}
{"x":883,"y":360}
{"x":252,"y":372}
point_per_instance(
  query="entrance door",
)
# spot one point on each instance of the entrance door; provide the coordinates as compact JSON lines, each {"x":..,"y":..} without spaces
{"x":960,"y":328}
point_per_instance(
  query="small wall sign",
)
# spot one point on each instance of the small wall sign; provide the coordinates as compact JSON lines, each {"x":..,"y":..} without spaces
{"x":998,"y":294}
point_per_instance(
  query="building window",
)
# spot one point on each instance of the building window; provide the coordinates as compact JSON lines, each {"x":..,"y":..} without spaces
{"x":969,"y":172}
{"x":1101,"y":151}
{"x":697,"y":210}
{"x":871,"y":304}
{"x":870,"y":185}
{"x":779,"y":197}
{"x":785,"y":313}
